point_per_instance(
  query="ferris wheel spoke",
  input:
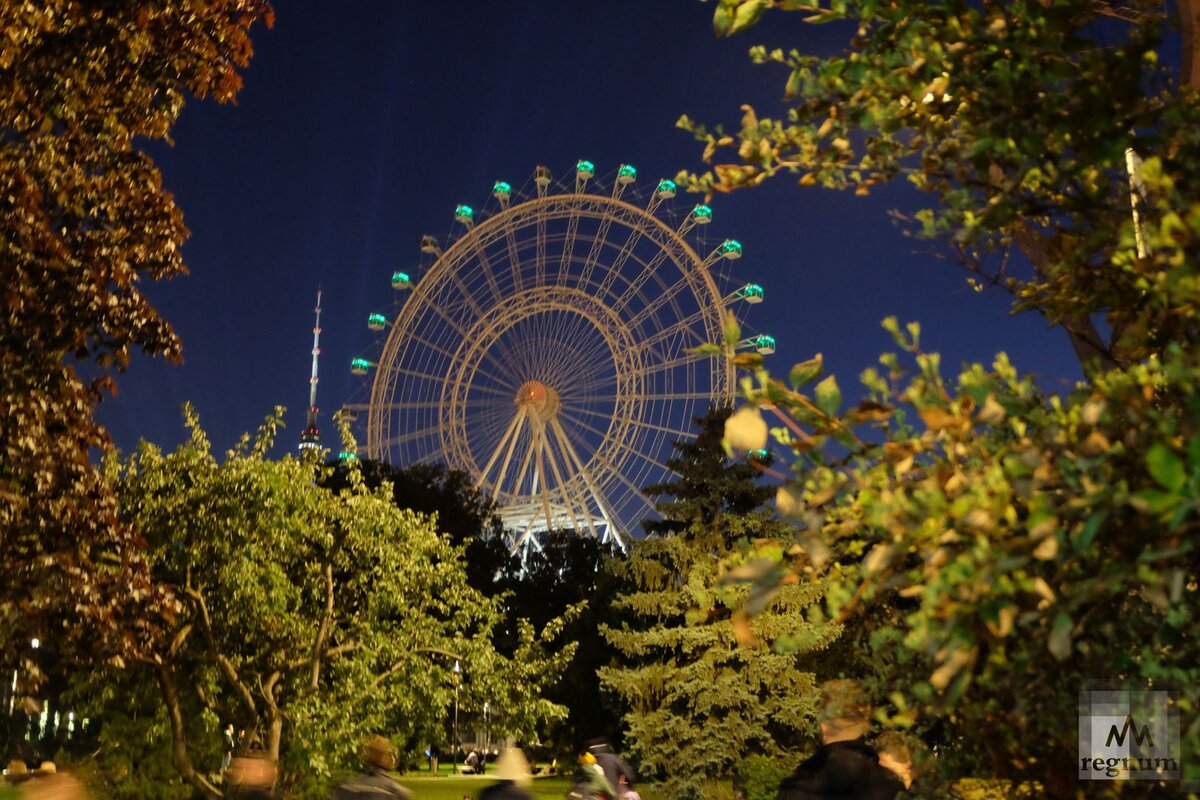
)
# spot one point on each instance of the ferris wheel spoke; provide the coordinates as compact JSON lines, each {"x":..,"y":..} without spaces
{"x":514,"y":259}
{"x":495,"y":391}
{"x":589,"y":385}
{"x":589,"y":264}
{"x":568,"y":249}
{"x":540,"y":253}
{"x":618,"y":265}
{"x":573,"y":458}
{"x":686,"y":358}
{"x":666,"y":396}
{"x":485,"y":265}
{"x":664,"y":297}
{"x":468,"y":297}
{"x":433,"y":379}
{"x":412,"y":336}
{"x":650,"y":426}
{"x":616,"y":441}
{"x":635,"y":286}
{"x":439,"y":309}
{"x":410,"y":436}
{"x":620,"y":476}
{"x":682,"y":326}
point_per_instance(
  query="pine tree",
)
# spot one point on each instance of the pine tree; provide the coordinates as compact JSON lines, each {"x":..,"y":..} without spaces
{"x":698,"y":700}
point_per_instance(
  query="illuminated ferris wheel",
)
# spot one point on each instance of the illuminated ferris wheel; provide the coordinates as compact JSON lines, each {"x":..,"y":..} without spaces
{"x":547,"y":350}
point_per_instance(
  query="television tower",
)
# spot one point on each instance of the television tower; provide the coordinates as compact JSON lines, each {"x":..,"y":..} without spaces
{"x":310,"y":437}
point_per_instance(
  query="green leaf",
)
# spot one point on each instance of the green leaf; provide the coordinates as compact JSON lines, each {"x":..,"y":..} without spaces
{"x":1060,"y":637}
{"x":747,"y":14}
{"x":1152,"y":501}
{"x":828,"y":395}
{"x":733,"y":332}
{"x":806,"y":371}
{"x":1166,"y":467}
{"x":722,"y":20}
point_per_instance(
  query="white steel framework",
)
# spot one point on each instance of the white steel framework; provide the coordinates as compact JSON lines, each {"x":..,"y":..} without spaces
{"x":547,"y":352}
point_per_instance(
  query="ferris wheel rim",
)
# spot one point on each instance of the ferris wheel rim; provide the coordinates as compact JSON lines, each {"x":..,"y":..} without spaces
{"x":455,"y":395}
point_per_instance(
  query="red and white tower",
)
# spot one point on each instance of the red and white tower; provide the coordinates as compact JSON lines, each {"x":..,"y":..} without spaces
{"x":310,"y":437}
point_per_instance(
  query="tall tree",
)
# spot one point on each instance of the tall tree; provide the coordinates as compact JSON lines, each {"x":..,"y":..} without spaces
{"x":697,"y":700}
{"x":986,"y":542}
{"x":307,"y":617}
{"x":1020,"y":122}
{"x":84,"y":219}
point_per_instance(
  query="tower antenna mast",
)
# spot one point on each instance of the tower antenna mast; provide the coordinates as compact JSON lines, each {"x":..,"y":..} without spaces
{"x":310,"y":437}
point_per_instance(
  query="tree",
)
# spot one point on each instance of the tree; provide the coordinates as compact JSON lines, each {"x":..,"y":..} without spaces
{"x":1020,"y":120}
{"x":85,"y":219}
{"x":697,"y":700}
{"x":308,"y":617}
{"x":566,"y":574}
{"x":465,"y":514}
{"x":986,"y":543}
{"x":558,"y":578}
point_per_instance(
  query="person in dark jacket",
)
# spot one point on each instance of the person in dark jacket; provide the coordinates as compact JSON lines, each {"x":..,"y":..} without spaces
{"x":616,"y":769}
{"x":374,"y":783}
{"x":515,"y":782}
{"x":845,"y":767}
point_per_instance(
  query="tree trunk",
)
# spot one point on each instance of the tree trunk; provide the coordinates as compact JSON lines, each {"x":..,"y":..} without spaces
{"x":1090,"y":348}
{"x":179,"y":753}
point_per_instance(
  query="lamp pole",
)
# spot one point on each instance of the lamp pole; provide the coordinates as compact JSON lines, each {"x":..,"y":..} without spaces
{"x":457,"y":674}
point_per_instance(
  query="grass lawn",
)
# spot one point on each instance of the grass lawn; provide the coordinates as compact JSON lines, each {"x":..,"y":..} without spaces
{"x":425,"y":787}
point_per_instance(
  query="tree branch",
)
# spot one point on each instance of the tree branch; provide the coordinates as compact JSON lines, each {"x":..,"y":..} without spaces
{"x":318,"y":651}
{"x":179,"y":753}
{"x":223,"y":663}
{"x":1090,"y":348}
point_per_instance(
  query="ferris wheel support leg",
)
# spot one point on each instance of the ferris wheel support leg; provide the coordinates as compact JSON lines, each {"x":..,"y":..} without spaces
{"x":518,"y":486}
{"x":509,"y":437}
{"x":569,"y":449}
{"x":541,"y":471}
{"x":568,"y":501}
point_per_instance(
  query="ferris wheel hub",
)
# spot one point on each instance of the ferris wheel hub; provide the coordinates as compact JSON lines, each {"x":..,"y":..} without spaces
{"x":538,"y":399}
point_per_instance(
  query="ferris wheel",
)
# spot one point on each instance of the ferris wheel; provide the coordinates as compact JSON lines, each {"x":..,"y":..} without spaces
{"x":547,"y":350}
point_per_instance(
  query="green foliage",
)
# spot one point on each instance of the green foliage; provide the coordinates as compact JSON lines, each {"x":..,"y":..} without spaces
{"x":1009,"y":546}
{"x":696,"y":699}
{"x":759,"y":777}
{"x":84,"y":222}
{"x":1016,"y":119}
{"x":990,"y":548}
{"x":307,"y":617}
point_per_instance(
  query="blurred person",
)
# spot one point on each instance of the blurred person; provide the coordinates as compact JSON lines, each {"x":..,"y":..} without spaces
{"x":590,"y":782}
{"x":379,"y":758}
{"x":514,"y":781}
{"x":845,"y":766}
{"x":47,"y":783}
{"x":230,"y":744}
{"x":252,"y":777}
{"x":17,"y":771}
{"x":616,"y":769}
{"x":904,"y":754}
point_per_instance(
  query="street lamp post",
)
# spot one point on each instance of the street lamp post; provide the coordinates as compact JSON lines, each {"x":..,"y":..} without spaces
{"x":457,"y":674}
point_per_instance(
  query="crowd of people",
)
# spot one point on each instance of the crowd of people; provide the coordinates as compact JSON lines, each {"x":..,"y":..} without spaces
{"x":845,"y":766}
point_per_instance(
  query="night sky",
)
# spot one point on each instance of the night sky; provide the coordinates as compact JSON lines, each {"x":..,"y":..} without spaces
{"x":362,"y":125}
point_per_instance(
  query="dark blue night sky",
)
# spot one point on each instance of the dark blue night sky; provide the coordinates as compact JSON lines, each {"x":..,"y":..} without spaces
{"x":361,"y":125}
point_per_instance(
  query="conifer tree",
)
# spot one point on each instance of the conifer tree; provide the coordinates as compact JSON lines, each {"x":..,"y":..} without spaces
{"x":703,"y":686}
